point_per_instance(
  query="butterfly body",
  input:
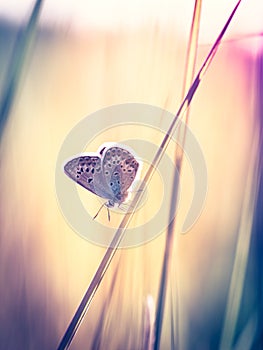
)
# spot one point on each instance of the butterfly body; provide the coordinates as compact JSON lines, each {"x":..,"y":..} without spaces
{"x":108,"y":174}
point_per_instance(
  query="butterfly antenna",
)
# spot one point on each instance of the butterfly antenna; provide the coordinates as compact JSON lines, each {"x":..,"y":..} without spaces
{"x":99,"y":211}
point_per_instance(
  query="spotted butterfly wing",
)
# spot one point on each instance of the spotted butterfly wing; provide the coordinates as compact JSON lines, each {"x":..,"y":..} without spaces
{"x":119,"y":169}
{"x":87,"y":172}
{"x":128,"y":169}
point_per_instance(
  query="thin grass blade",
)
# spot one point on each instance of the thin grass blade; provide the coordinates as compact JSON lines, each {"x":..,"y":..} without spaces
{"x":240,"y":263}
{"x":111,"y":250}
{"x":168,"y":252}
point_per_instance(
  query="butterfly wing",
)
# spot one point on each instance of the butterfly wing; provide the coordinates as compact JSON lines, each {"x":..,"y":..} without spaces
{"x":119,"y":169}
{"x":87,"y":172}
{"x":127,"y":169}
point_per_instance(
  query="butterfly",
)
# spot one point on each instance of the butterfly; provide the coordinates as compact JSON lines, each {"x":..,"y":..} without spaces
{"x":109,"y":174}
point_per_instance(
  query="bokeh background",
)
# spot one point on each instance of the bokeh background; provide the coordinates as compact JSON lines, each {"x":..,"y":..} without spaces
{"x":76,"y":58}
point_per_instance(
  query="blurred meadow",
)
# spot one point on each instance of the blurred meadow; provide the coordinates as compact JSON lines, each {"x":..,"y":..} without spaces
{"x":62,"y":73}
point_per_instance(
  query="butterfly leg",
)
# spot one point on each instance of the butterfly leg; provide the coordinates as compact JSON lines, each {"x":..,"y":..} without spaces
{"x":98,"y":211}
{"x":104,"y":204}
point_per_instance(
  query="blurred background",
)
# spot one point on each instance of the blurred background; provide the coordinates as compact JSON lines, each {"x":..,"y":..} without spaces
{"x":61,"y":61}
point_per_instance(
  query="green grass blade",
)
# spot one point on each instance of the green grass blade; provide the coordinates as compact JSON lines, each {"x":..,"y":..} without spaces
{"x":16,"y":65}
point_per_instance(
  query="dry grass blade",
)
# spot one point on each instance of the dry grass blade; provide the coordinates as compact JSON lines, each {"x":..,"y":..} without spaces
{"x":148,"y":332}
{"x":72,"y":328}
{"x":96,"y":343}
{"x":167,"y":257}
